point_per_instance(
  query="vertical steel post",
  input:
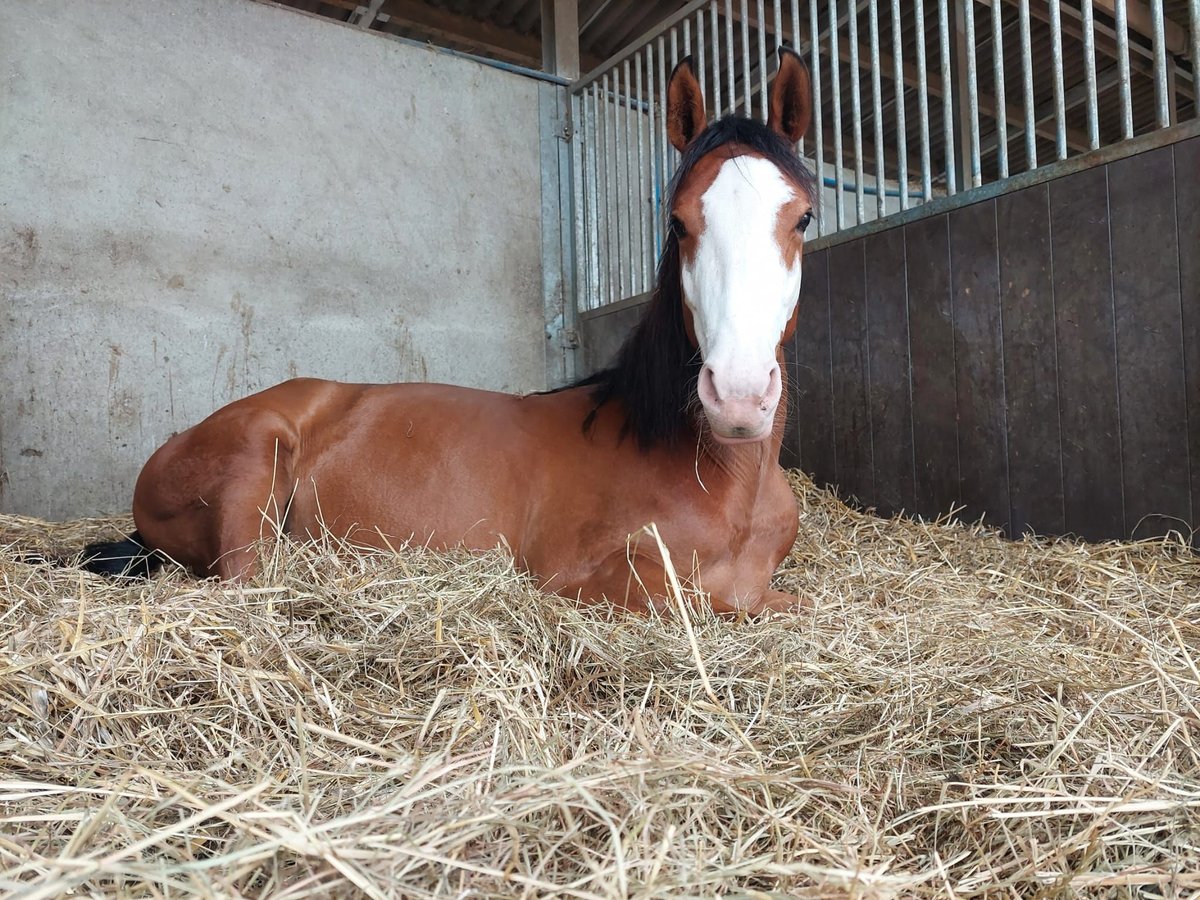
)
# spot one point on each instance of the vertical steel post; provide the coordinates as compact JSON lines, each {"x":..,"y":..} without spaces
{"x":998,"y":77}
{"x":1123,"y":68}
{"x":1161,"y":101}
{"x":947,"y":95}
{"x":877,"y":114}
{"x":1027,"y":84}
{"x":636,"y":112}
{"x":901,"y":124}
{"x":856,"y":115}
{"x":976,"y":170}
{"x":923,"y":104}
{"x":1056,"y":55}
{"x":762,"y":61}
{"x":835,"y":83}
{"x":1089,"y":63}
{"x":818,"y":137}
{"x":747,"y":81}
{"x":730,"y":55}
{"x":652,"y":159}
{"x":716,"y":58}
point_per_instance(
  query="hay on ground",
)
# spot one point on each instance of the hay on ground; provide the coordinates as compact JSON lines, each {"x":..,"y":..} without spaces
{"x":958,"y":715}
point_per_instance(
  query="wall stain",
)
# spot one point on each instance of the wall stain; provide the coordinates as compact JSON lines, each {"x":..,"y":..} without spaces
{"x":19,"y":251}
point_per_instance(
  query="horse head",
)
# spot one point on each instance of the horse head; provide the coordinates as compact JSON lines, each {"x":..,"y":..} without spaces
{"x":739,"y":207}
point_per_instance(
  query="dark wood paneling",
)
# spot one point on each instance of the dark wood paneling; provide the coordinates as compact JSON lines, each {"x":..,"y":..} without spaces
{"x":603,"y":334}
{"x":931,"y":337}
{"x":1150,"y":376}
{"x":1187,"y":209}
{"x":891,"y":401}
{"x":814,"y":387}
{"x":848,"y":351}
{"x":1087,"y":371}
{"x":1030,"y":368}
{"x":979,"y":364}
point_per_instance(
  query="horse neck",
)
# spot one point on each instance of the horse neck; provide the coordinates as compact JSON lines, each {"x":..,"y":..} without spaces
{"x":755,"y":459}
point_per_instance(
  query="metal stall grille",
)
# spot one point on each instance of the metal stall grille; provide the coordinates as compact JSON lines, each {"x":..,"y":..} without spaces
{"x":916,"y":100}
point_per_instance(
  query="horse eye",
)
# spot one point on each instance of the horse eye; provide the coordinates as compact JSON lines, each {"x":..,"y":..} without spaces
{"x":677,"y":228}
{"x":805,"y":221}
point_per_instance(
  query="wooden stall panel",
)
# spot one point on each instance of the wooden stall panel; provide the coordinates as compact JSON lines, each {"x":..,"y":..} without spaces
{"x":814,"y":386}
{"x":848,"y":351}
{"x":890,"y":397}
{"x":1030,"y":368}
{"x":931,"y":336}
{"x":1187,"y":210}
{"x":1087,"y":371}
{"x":1149,"y":343}
{"x":979,"y":364}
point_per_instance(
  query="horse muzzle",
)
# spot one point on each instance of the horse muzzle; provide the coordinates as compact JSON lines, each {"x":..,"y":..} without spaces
{"x":741,"y":412}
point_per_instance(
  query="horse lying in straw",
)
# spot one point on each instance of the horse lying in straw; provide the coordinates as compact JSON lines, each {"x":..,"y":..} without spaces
{"x":683,"y":431}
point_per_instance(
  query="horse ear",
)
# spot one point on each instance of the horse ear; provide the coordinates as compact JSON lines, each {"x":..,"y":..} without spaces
{"x":791,"y":97}
{"x":686,"y":117}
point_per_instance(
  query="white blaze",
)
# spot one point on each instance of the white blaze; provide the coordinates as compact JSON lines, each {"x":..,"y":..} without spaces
{"x":741,"y":293}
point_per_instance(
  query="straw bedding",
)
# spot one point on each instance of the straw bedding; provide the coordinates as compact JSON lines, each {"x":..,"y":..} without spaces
{"x":959,"y":715}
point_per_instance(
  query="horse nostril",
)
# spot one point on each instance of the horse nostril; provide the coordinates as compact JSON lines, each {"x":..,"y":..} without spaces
{"x":707,"y":387}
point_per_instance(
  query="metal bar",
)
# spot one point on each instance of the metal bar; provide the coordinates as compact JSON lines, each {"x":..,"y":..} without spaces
{"x":778,"y":23}
{"x":701,"y":69}
{"x":664,"y":142}
{"x":1122,"y":29}
{"x":762,"y":62}
{"x":877,"y":111}
{"x":947,"y":94}
{"x":1194,"y":9}
{"x":1056,"y":54}
{"x":716,"y":58}
{"x":687,"y":37}
{"x":923,"y":104}
{"x":652,"y":159}
{"x":730,"y":55}
{"x":577,"y":234}
{"x":1027,"y":84}
{"x":621,"y":168}
{"x":748,"y":109}
{"x":901,"y":134}
{"x":972,"y":92}
{"x":633,"y":207}
{"x":1160,"y":65}
{"x":1089,"y":63}
{"x":608,"y":294}
{"x":834,"y":80}
{"x":641,"y":176}
{"x":856,"y":117}
{"x":818,"y":140}
{"x":591,"y":239}
{"x":998,"y":77}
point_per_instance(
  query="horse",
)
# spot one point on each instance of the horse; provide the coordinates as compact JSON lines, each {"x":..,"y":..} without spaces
{"x":683,"y":430}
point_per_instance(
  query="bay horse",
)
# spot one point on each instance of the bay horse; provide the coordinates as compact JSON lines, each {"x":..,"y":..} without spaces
{"x":683,"y":431}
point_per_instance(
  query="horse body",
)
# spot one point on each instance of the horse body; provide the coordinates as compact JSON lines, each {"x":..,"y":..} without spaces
{"x":683,"y":431}
{"x":447,"y":466}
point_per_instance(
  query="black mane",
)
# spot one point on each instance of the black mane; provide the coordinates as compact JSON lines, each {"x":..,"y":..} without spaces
{"x":655,"y":372}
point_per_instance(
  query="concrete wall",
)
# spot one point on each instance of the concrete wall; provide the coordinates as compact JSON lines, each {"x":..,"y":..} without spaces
{"x":200,"y":198}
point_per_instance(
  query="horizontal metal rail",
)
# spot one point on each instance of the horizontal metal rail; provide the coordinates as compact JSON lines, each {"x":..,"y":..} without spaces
{"x":911,"y":105}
